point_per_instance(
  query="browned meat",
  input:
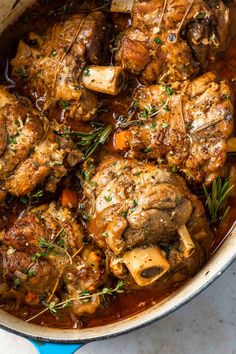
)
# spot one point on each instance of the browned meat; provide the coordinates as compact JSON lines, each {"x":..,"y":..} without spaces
{"x":186,"y":125}
{"x":137,"y":205}
{"x":33,"y":154}
{"x":170,"y":40}
{"x":87,"y":273}
{"x":44,"y":250}
{"x":50,"y":66}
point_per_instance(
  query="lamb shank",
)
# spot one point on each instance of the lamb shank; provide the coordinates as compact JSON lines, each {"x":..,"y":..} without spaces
{"x":31,"y":154}
{"x":185,"y":125}
{"x":145,"y":219}
{"x":171,"y":40}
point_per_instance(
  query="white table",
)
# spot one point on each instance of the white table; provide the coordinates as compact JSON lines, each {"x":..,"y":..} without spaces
{"x":207,"y":325}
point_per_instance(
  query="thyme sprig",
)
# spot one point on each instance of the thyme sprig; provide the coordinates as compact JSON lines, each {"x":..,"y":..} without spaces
{"x":216,"y":197}
{"x":83,"y":297}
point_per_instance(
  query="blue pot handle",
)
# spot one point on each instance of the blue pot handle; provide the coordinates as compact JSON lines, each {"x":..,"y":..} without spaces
{"x":54,"y":348}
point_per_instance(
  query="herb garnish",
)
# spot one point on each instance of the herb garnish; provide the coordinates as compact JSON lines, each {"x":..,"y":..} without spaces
{"x":91,"y":141}
{"x":64,"y":104}
{"x":86,"y":72}
{"x":148,"y":112}
{"x":158,"y":40}
{"x":216,"y":197}
{"x":84,"y":296}
{"x":168,"y":90}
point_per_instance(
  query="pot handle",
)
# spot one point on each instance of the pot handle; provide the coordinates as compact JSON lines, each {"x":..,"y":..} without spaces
{"x":54,"y":348}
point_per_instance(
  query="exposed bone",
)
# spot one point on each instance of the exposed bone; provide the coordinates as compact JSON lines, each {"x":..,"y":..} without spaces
{"x":146,"y":265}
{"x":104,"y":79}
{"x":122,"y":6}
{"x":231,"y":145}
{"x":186,"y":241}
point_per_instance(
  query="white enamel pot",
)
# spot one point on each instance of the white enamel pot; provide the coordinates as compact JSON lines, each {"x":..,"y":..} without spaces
{"x":60,"y":341}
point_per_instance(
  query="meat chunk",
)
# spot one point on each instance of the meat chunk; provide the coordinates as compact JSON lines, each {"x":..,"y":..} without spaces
{"x":170,"y":40}
{"x":136,"y":208}
{"x":185,"y":125}
{"x":31,"y":153}
{"x":86,"y":275}
{"x":44,"y":251}
{"x":50,"y":66}
{"x":32,"y":259}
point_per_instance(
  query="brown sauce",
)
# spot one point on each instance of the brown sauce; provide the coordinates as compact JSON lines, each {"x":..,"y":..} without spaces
{"x":37,"y":19}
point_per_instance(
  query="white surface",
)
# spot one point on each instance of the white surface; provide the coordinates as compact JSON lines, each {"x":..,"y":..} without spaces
{"x":207,"y":325}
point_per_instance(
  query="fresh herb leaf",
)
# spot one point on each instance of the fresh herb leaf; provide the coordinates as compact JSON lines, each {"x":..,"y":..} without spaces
{"x":86,"y":72}
{"x":108,"y":198}
{"x":158,"y":40}
{"x":84,"y":296}
{"x":148,"y":112}
{"x":164,"y":125}
{"x":125,"y":213}
{"x":64,"y":104}
{"x":216,"y":197}
{"x":53,"y":53}
{"x":168,"y":90}
{"x":31,"y":273}
{"x":16,"y":282}
{"x":22,"y":73}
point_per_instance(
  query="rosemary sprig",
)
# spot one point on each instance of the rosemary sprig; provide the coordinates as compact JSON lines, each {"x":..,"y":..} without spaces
{"x":216,"y":197}
{"x":84,"y":296}
{"x":91,"y":141}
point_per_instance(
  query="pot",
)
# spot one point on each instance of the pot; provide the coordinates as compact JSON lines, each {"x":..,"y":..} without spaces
{"x":49,"y":340}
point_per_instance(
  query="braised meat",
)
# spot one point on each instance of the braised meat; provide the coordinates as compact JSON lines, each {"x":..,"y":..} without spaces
{"x":31,"y":153}
{"x":136,"y":207}
{"x":44,"y":251}
{"x":50,"y":66}
{"x":186,"y":125}
{"x":170,"y":40}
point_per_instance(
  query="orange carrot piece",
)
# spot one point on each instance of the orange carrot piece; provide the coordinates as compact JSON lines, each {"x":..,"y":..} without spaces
{"x":121,"y":140}
{"x":69,"y":198}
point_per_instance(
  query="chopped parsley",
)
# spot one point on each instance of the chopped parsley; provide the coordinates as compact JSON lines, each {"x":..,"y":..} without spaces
{"x":22,"y":73}
{"x":147,"y":150}
{"x":12,"y":140}
{"x":108,"y":198}
{"x":16,"y":282}
{"x":86,"y":72}
{"x":125,"y":213}
{"x":158,"y":40}
{"x":174,"y":168}
{"x":53,"y":52}
{"x":31,"y":273}
{"x":164,"y":125}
